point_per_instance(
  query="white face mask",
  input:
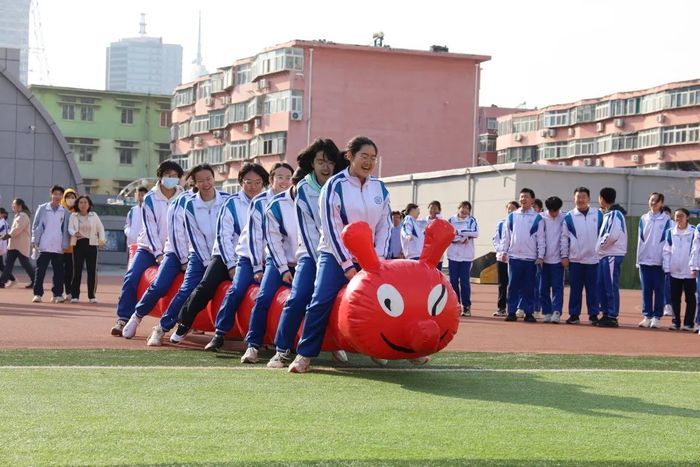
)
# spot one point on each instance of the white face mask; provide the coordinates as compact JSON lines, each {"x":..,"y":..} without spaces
{"x":70,"y":202}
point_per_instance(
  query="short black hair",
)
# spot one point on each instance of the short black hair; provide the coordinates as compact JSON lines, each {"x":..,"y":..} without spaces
{"x":410,"y":207}
{"x":435,"y":203}
{"x":57,"y":188}
{"x":465,"y":203}
{"x":253,"y":167}
{"x":198,"y":168}
{"x":167,"y":166}
{"x":583,"y":189}
{"x":659,"y":196}
{"x":142,"y":189}
{"x":528,"y":191}
{"x":396,"y":213}
{"x":3,"y":211}
{"x":538,"y":203}
{"x":553,"y":203}
{"x":279,"y":165}
{"x":666,"y":209}
{"x":90,"y":205}
{"x":514,"y":203}
{"x":609,"y":195}
{"x":684,"y":211}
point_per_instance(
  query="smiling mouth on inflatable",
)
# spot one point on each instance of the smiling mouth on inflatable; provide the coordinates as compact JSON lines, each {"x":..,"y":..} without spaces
{"x":444,"y":334}
{"x":398,"y":348}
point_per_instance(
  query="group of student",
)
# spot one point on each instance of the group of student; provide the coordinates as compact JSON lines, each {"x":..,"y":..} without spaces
{"x":282,"y":229}
{"x":534,"y":245}
{"x":65,"y":233}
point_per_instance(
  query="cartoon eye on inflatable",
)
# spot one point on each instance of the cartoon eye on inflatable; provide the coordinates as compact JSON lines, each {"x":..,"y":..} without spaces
{"x":437,"y":299}
{"x":390,"y":300}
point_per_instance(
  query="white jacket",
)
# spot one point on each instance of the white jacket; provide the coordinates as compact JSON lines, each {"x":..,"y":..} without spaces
{"x":553,"y":227}
{"x":462,"y":247}
{"x":650,"y":241}
{"x":200,"y":220}
{"x":694,"y":262}
{"x":677,"y":248}
{"x":155,"y":220}
{"x":579,"y":236}
{"x":497,"y":239}
{"x":308,"y":217}
{"x":134,"y":223}
{"x":412,"y":236}
{"x":97,"y":230}
{"x":344,"y":199}
{"x":232,"y":219}
{"x":4,"y":230}
{"x":523,"y":236}
{"x":281,"y":231}
{"x":50,"y":228}
{"x":178,"y":242}
{"x":250,"y":243}
{"x":612,"y":237}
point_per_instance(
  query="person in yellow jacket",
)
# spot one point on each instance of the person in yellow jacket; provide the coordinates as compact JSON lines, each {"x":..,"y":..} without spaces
{"x":68,"y":203}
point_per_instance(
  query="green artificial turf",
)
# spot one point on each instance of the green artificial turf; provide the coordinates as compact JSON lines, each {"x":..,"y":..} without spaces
{"x":160,"y":415}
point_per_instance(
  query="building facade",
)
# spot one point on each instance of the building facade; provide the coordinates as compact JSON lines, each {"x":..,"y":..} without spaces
{"x":115,"y":137}
{"x":143,"y":65}
{"x":488,"y":132}
{"x":655,"y":128}
{"x":421,"y":108}
{"x":14,"y":31}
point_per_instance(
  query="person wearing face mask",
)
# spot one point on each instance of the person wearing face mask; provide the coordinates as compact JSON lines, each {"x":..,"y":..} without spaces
{"x":151,"y":238}
{"x":69,"y":204}
{"x":134,"y":220}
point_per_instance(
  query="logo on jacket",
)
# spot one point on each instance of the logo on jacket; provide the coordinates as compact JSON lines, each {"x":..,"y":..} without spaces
{"x":377,"y":200}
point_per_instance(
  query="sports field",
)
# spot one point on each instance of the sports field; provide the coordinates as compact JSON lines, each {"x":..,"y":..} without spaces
{"x":135,"y":407}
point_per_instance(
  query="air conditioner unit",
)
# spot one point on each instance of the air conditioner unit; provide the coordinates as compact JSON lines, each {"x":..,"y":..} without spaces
{"x":588,"y":162}
{"x":543,"y":133}
{"x":599,"y":163}
{"x":600,"y":127}
{"x":295,"y":115}
{"x":218,"y":134}
{"x":661,"y":118}
{"x":225,"y":100}
{"x":263,"y":84}
{"x":246,"y":128}
{"x":222,"y":169}
{"x":518,"y":137}
{"x":226,"y":134}
{"x":197,"y":141}
{"x":619,"y":122}
{"x":551,"y":132}
{"x":636,"y":158}
{"x":660,"y":154}
{"x":258,"y":122}
{"x":208,"y":101}
{"x":572,"y":131}
{"x":562,"y":163}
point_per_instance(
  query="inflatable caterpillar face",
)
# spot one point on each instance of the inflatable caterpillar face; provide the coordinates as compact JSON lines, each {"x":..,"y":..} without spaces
{"x":398,"y":309}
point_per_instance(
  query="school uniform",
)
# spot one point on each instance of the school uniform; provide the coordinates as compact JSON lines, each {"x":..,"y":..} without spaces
{"x":460,"y":255}
{"x":412,"y":237}
{"x":694,"y":264}
{"x":552,"y":275}
{"x":676,"y":263}
{"x":501,"y":266}
{"x":50,"y":237}
{"x":133,"y":224}
{"x":611,"y":249}
{"x":653,"y":228}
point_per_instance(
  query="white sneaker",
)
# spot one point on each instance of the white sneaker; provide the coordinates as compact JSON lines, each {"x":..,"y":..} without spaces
{"x":520,"y":313}
{"x":67,"y":297}
{"x":250,"y":355}
{"x":547,"y":318}
{"x":9,"y":284}
{"x":176,"y":338}
{"x":74,"y":300}
{"x":655,"y":323}
{"x":556,"y":317}
{"x":538,"y":315}
{"x":129,"y":330}
{"x":280,"y":360}
{"x":300,"y":365}
{"x":686,"y":328}
{"x":156,"y":337}
{"x":380,"y":361}
{"x":644,"y":323}
{"x":36,"y":299}
{"x":668,"y":310}
{"x":419,"y":361}
{"x":58,"y":300}
{"x":340,"y":356}
{"x":93,"y":300}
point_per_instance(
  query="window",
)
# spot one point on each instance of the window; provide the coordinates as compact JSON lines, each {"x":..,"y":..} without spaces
{"x":605,"y":144}
{"x":200,"y":124}
{"x":127,"y":116}
{"x":84,"y":154}
{"x":622,"y":107}
{"x":235,"y":113}
{"x":238,"y":150}
{"x":506,"y":127}
{"x":197,"y":156}
{"x":217,"y":82}
{"x":278,"y":60}
{"x":267,"y":144}
{"x":680,"y":134}
{"x":648,"y":138}
{"x":553,"y":150}
{"x":231,"y":186}
{"x":520,"y":154}
{"x":165,"y":119}
{"x":582,"y":114}
{"x":229,"y":78}
{"x":582,"y":147}
{"x":183,"y":129}
{"x":243,"y":74}
{"x":524,"y":124}
{"x":215,"y":154}
{"x":126,"y":156}
{"x":90,"y":185}
{"x":87,"y":113}
{"x":624,"y":142}
{"x":68,"y":111}
{"x":183,"y":97}
{"x":602,"y":111}
{"x":491,"y":124}
{"x":203,"y":89}
{"x":556,"y":118}
{"x":216,"y":119}
{"x":487,"y":143}
{"x":651,"y":103}
{"x":163,"y":150}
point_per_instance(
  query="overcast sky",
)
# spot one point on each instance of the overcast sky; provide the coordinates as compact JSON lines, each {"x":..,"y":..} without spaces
{"x":543,"y":52}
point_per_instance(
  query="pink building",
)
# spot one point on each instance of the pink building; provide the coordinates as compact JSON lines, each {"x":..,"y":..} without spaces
{"x":488,"y":131}
{"x":652,"y":128}
{"x":420,"y":107}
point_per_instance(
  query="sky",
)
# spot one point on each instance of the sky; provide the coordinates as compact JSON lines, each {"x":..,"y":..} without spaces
{"x":543,"y":51}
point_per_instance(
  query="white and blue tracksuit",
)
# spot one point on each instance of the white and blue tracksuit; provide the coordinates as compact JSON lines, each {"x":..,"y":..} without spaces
{"x":523,"y":244}
{"x":281,"y":244}
{"x":650,"y":244}
{"x":460,"y":255}
{"x":176,"y":256}
{"x":579,"y":240}
{"x":133,"y":225}
{"x":611,"y":249}
{"x":308,"y":217}
{"x":552,"y":275}
{"x":151,"y":240}
{"x":694,"y":264}
{"x":251,"y":255}
{"x":50,"y":236}
{"x":501,"y":266}
{"x":677,"y":253}
{"x":412,"y":237}
{"x":344,"y":199}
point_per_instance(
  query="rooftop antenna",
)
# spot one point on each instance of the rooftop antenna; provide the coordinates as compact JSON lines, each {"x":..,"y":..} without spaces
{"x":378,"y":38}
{"x":199,"y":40}
{"x":142,"y":25}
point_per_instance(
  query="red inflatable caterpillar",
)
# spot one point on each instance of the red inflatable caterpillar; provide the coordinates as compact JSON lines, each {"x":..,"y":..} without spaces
{"x":392,"y":309}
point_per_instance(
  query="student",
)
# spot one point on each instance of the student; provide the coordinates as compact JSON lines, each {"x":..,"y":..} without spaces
{"x":694,"y":268}
{"x":434,"y":210}
{"x":668,"y":309}
{"x":87,"y":234}
{"x":251,"y":256}
{"x":134,"y":219}
{"x":350,"y":196}
{"x":502,"y":266}
{"x":538,"y":206}
{"x":412,"y":232}
{"x":151,"y":238}
{"x":523,"y":248}
{"x":611,"y":250}
{"x":460,"y":254}
{"x":653,"y":227}
{"x":552,"y":275}
{"x":578,"y":253}
{"x":50,"y":238}
{"x":69,"y":204}
{"x":4,"y":230}
{"x":677,"y":248}
{"x":18,"y":245}
{"x":395,"y":240}
{"x":317,"y":164}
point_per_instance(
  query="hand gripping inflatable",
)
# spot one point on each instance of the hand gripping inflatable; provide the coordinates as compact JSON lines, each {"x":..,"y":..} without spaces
{"x":392,"y":309}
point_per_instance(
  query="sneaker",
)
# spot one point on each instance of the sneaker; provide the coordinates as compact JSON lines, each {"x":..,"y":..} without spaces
{"x":645,"y":323}
{"x":593,"y":319}
{"x":340,"y":356}
{"x":607,"y":322}
{"x":520,"y":313}
{"x":74,"y":300}
{"x":9,"y":284}
{"x":380,"y":361}
{"x":93,"y":300}
{"x":655,"y":323}
{"x":674,"y":327}
{"x":573,"y":320}
{"x":280,"y":360}
{"x":215,"y":344}
{"x":547,"y":318}
{"x":36,"y":299}
{"x":556,"y":317}
{"x":687,"y":328}
{"x":466,"y":311}
{"x":500,"y":313}
{"x":537,"y":315}
{"x":419,"y":361}
{"x":29,"y":286}
{"x":130,"y":327}
{"x":530,"y":319}
{"x":179,"y":335}
{"x":156,"y":337}
{"x":511,"y":317}
{"x":67,"y":297}
{"x":668,"y":310}
{"x":300,"y":365}
{"x":57,"y":299}
{"x":250,"y":355}
{"x":118,"y":327}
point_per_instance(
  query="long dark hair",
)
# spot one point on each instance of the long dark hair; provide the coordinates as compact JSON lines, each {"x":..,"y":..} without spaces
{"x":23,"y":205}
{"x":90,"y":205}
{"x":305,"y":159}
